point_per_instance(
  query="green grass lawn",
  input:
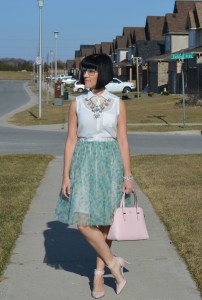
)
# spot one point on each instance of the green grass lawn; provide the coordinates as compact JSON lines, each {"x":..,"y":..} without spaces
{"x":20,"y":176}
{"x":173,"y":183}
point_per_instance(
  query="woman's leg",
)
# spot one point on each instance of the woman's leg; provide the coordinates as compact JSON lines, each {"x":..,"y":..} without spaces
{"x":97,"y":240}
{"x":100,"y":265}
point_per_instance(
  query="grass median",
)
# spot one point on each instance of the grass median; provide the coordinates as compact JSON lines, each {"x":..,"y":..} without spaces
{"x":173,"y":183}
{"x":20,"y":175}
{"x":158,"y":113}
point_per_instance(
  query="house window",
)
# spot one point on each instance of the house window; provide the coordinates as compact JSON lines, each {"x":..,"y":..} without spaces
{"x":168,"y":43}
{"x":192,"y":39}
{"x":114,"y":57}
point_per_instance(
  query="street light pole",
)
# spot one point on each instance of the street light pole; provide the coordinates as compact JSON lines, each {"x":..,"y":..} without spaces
{"x":56,"y":39}
{"x":51,"y":64}
{"x":40,"y":3}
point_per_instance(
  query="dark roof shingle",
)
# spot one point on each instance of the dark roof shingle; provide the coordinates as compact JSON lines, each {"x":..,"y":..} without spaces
{"x":154,"y":28}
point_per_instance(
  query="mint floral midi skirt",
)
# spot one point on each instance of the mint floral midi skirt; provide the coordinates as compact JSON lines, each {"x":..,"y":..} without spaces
{"x":96,"y":177}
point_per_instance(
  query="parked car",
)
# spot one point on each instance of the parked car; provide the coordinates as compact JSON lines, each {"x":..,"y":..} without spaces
{"x":118,"y":86}
{"x":68,"y":80}
{"x":61,"y":76}
{"x":78,"y":87}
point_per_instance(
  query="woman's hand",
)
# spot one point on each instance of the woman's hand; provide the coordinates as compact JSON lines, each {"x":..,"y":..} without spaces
{"x":66,"y":187}
{"x":128,"y":186}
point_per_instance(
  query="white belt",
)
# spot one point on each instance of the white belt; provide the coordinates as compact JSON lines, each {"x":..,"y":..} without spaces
{"x":96,"y":139}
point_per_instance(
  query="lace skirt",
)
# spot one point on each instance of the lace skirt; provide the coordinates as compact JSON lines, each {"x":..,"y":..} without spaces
{"x":96,"y":184}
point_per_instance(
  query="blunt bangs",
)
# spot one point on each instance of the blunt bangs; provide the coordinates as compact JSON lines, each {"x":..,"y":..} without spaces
{"x":103,"y":64}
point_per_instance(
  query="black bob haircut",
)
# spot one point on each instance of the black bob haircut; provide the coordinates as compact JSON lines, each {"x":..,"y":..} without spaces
{"x":101,"y":63}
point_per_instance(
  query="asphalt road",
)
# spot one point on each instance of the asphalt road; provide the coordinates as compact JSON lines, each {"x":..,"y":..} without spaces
{"x":12,"y":95}
{"x":20,"y":140}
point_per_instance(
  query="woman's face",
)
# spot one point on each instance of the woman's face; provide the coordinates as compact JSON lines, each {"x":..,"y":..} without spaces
{"x":90,"y":77}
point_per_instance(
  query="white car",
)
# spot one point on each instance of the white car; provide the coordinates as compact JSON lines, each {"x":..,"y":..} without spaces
{"x":118,"y":86}
{"x":68,"y":80}
{"x":78,"y":87}
{"x":61,"y":76}
{"x":115,"y":86}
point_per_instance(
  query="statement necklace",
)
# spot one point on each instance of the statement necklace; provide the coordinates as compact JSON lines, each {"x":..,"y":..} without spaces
{"x":96,"y":105}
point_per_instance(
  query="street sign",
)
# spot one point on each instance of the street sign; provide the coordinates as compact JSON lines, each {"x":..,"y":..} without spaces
{"x":38,"y":60}
{"x":182,"y":56}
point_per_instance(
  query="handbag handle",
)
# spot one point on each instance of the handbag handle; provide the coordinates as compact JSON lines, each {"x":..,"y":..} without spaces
{"x":122,"y":204}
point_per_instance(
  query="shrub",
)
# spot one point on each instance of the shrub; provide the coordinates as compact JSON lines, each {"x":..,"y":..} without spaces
{"x":125,"y":97}
{"x":150,"y":94}
{"x":192,"y":97}
{"x":166,"y":93}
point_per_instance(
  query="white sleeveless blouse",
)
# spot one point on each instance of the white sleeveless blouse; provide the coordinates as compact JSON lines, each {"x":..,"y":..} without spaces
{"x":104,"y":126}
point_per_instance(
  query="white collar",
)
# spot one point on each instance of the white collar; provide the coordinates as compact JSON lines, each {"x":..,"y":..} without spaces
{"x":105,"y":94}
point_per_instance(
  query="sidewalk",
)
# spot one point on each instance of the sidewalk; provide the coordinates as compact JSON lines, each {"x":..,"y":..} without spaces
{"x":53,"y":262}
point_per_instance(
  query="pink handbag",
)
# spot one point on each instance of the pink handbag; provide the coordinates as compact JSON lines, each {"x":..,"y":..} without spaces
{"x":128,"y":223}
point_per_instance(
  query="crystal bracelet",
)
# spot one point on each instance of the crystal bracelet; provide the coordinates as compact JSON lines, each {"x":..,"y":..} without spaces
{"x":128,"y":177}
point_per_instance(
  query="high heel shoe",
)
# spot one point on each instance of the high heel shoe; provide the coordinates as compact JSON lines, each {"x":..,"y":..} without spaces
{"x":116,"y":267}
{"x":96,"y":294}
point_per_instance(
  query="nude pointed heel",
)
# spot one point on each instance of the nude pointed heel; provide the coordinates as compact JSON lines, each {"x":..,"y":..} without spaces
{"x":96,"y":294}
{"x":116,"y":268}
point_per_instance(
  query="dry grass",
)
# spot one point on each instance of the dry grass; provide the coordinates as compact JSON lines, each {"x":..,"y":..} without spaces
{"x":51,"y":114}
{"x":12,"y":75}
{"x":158,"y":109}
{"x":174,"y":186}
{"x":20,"y":175}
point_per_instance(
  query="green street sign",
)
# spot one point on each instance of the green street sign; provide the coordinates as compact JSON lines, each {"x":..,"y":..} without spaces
{"x":182,"y":56}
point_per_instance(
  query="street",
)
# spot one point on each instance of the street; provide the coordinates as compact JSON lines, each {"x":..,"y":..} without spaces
{"x":21,"y":140}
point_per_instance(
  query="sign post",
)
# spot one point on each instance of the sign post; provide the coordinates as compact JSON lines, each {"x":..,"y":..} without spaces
{"x":182,"y":56}
{"x":137,"y":76}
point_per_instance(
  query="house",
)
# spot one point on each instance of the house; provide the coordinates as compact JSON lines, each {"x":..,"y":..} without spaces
{"x":71,"y":67}
{"x":194,"y":66}
{"x":163,"y":71}
{"x":79,"y":55}
{"x":154,"y":27}
{"x":97,"y":48}
{"x":146,"y":51}
{"x":107,"y":48}
{"x":194,"y":26}
{"x":176,"y":35}
{"x":86,"y":50}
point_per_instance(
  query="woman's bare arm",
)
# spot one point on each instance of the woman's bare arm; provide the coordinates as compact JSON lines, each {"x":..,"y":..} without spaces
{"x":122,"y":139}
{"x":69,"y":147}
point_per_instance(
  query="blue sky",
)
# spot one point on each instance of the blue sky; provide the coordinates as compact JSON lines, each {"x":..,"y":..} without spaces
{"x":78,"y":22}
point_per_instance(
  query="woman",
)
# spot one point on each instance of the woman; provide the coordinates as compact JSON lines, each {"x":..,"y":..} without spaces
{"x":96,"y":166}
